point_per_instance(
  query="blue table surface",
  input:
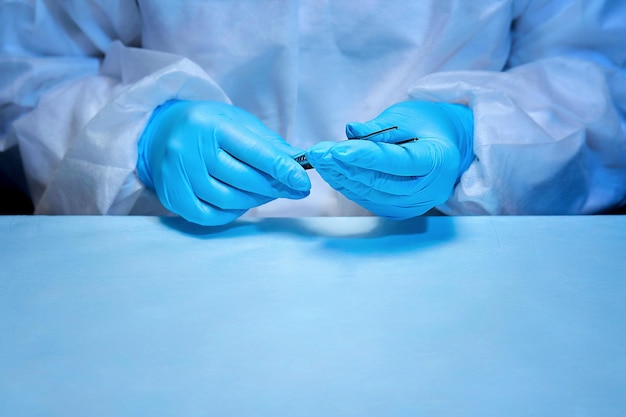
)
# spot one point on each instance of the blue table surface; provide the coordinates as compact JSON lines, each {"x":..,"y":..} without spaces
{"x":434,"y":316}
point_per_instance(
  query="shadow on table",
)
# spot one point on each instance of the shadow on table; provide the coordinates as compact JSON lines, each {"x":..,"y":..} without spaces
{"x":348,"y":234}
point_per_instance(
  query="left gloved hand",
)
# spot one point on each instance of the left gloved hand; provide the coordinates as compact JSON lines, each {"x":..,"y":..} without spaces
{"x":400,"y":181}
{"x":210,"y":162}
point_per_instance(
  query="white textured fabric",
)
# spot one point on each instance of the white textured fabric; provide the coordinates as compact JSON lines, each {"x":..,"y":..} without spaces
{"x":546,"y":81}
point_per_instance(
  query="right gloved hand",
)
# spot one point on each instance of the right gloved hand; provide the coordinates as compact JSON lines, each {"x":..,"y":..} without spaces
{"x":399,"y":182}
{"x":210,"y":162}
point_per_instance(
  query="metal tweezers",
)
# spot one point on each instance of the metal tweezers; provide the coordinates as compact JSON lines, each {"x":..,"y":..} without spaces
{"x":301,"y":158}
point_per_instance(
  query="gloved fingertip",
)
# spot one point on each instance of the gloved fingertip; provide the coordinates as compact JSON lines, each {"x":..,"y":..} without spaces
{"x":299,"y":180}
{"x":320,"y":148}
{"x":342,"y":150}
{"x":318,"y":152}
{"x":356,"y":130}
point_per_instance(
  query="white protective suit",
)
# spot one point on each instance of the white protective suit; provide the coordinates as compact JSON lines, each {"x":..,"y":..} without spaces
{"x":546,"y":81}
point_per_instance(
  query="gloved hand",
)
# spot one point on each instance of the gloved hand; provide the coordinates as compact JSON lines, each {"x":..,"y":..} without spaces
{"x":210,"y":162}
{"x":400,"y":181}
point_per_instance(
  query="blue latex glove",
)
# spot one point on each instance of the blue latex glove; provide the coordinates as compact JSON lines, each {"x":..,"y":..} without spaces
{"x":210,"y":162}
{"x":400,"y":181}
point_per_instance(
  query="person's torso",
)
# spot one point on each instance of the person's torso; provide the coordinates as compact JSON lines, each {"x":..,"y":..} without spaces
{"x":307,"y":68}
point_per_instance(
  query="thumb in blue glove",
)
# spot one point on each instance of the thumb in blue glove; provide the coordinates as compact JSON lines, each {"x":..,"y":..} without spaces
{"x":210,"y":162}
{"x":400,"y":181}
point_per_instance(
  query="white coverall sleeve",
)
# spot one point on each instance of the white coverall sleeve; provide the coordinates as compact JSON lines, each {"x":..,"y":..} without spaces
{"x":549,"y":134}
{"x":78,"y":97}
